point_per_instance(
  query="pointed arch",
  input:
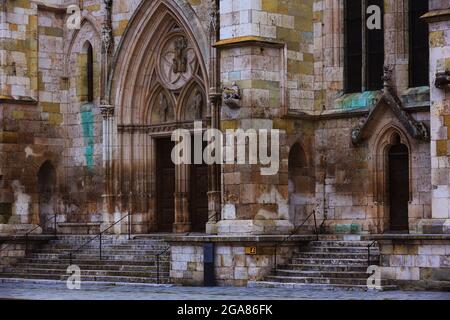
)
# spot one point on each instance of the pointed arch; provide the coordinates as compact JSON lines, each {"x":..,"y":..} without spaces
{"x":87,"y":19}
{"x":143,"y":38}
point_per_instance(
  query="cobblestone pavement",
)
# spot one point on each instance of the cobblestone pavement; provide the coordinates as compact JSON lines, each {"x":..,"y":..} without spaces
{"x":59,"y":291}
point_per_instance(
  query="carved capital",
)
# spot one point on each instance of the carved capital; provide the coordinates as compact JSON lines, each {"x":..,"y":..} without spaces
{"x":107,"y":111}
{"x":214,"y":96}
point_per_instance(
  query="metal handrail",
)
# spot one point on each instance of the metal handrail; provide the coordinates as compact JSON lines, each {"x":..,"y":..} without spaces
{"x":55,"y":231}
{"x":99,"y":236}
{"x":157,"y":256}
{"x":294,"y":233}
{"x":54,"y":217}
{"x":368,"y":251}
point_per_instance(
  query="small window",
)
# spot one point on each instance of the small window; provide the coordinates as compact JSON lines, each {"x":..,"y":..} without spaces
{"x":90,"y":73}
{"x":418,"y":44}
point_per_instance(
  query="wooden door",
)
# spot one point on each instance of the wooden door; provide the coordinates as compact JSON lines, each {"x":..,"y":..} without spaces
{"x":165,"y":179}
{"x":399,"y":187}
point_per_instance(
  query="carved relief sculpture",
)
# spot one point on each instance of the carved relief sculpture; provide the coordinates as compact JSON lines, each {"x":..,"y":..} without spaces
{"x":177,"y":63}
{"x":198,"y":104}
{"x":180,"y":59}
{"x":163,"y":108}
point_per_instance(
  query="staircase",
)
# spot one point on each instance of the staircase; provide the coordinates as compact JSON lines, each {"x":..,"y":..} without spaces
{"x":123,"y":261}
{"x":326,"y":264}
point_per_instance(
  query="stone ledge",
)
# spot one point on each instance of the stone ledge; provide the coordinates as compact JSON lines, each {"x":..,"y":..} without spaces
{"x":409,"y":237}
{"x":21,"y":237}
{"x":248,"y":40}
{"x":436,"y":15}
{"x":18,"y":100}
{"x":85,"y":228}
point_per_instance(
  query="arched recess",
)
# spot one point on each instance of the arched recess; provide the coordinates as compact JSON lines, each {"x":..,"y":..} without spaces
{"x":192,"y":103}
{"x":390,"y":138}
{"x":161,"y":107}
{"x":47,"y":186}
{"x":301,"y":184}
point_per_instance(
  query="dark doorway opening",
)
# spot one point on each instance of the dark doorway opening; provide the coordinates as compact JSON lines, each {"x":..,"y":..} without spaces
{"x":398,"y":187}
{"x":165,"y":180}
{"x":199,"y":195}
{"x":47,"y":188}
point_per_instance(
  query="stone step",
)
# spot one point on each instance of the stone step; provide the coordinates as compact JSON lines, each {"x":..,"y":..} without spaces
{"x":93,"y":251}
{"x":357,"y":250}
{"x":86,"y":256}
{"x":318,"y":280}
{"x":326,"y":243}
{"x":95,"y":261}
{"x":105,"y":239}
{"x":333,"y":255}
{"x":118,"y":267}
{"x":86,"y":278}
{"x":94,"y":245}
{"x":109,"y":245}
{"x":330,"y":261}
{"x":163,"y":272}
{"x":326,"y":268}
{"x":287,"y":285}
{"x":327,"y":263}
{"x":321,"y":274}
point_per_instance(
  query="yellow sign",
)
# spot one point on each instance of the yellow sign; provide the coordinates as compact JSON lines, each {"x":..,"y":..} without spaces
{"x":250,"y":250}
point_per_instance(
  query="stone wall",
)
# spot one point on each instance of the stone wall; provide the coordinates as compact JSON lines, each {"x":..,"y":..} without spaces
{"x":417,"y":264}
{"x":233,"y":267}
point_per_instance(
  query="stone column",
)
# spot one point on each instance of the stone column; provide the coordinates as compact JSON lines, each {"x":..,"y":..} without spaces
{"x":215,"y":99}
{"x":108,"y":134}
{"x":439,"y":19}
{"x":182,"y":188}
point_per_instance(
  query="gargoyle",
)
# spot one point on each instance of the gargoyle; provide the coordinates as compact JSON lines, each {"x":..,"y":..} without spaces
{"x":232,"y":96}
{"x":443,"y":80}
